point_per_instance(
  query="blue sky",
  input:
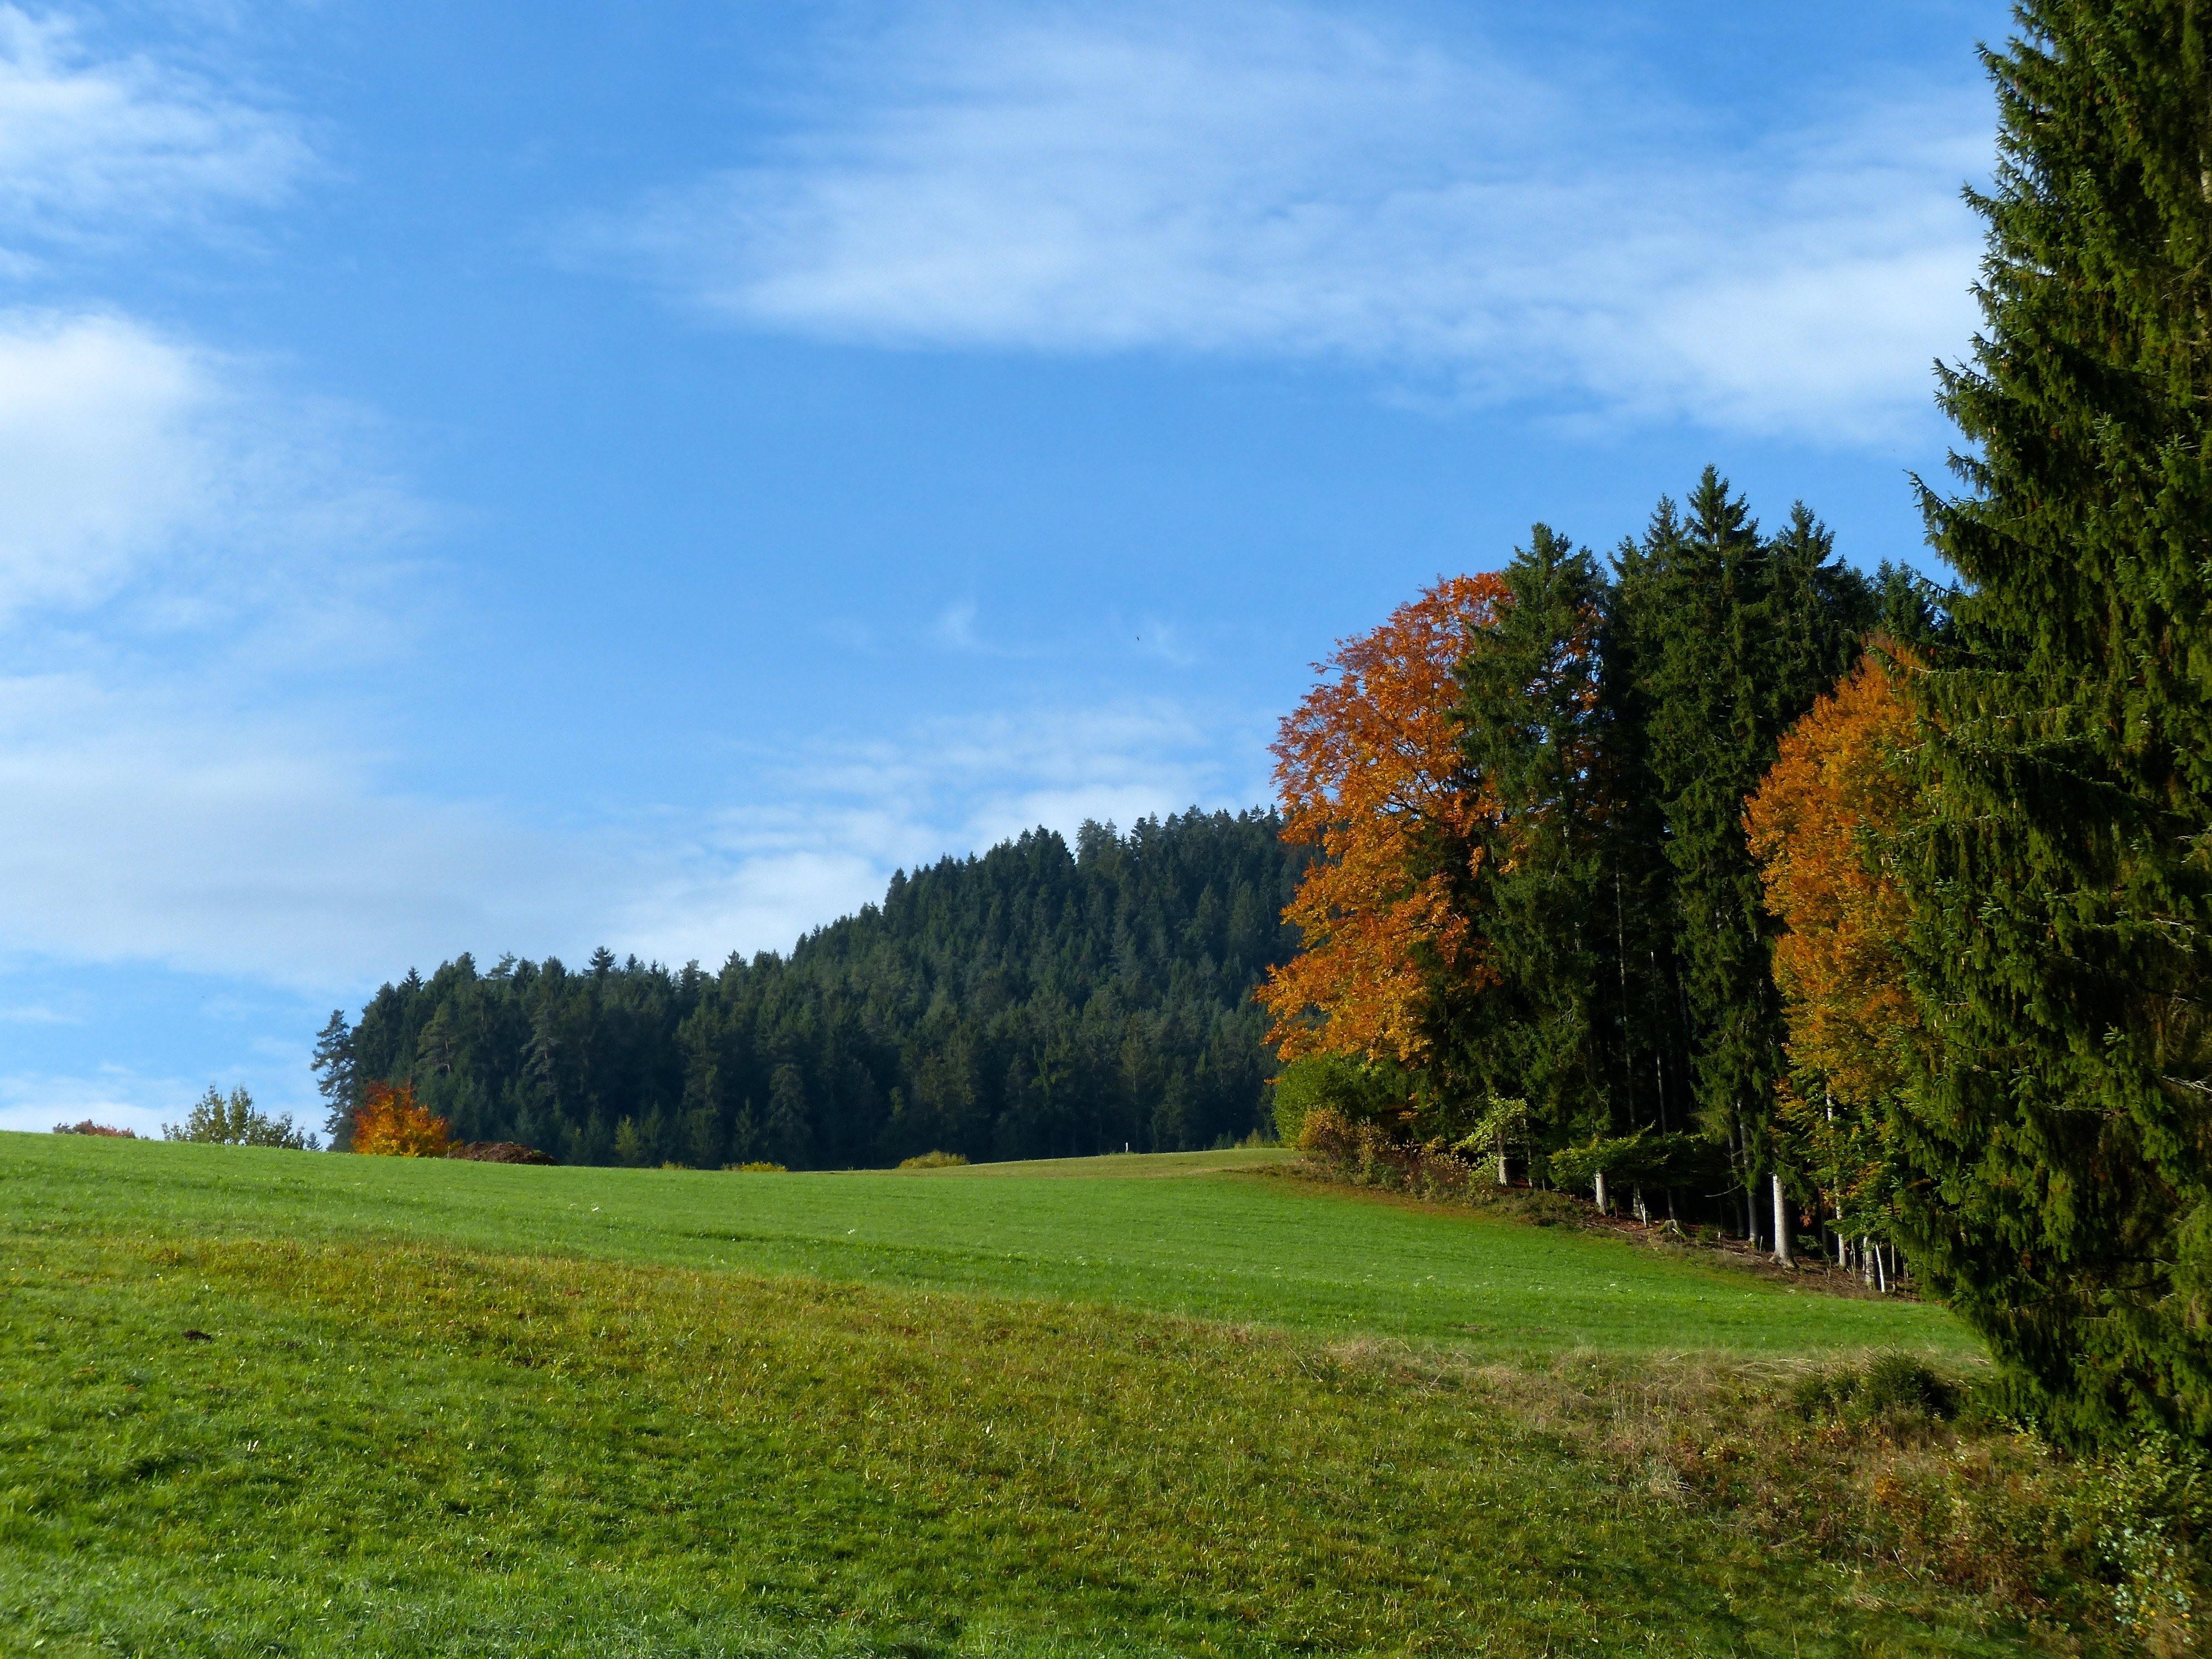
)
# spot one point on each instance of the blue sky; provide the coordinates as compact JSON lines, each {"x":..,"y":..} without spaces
{"x":517,"y":478}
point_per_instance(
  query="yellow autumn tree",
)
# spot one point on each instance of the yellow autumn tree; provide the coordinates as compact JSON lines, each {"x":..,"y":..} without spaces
{"x":1820,"y":824}
{"x":389,"y":1124}
{"x":1369,"y":771}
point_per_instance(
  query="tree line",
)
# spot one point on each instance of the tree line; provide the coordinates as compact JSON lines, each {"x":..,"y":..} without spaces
{"x":1036,"y":1001}
{"x":1857,"y":909}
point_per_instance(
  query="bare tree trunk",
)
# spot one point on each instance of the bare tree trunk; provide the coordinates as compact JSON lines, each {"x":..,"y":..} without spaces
{"x":1602,"y":1209}
{"x":1781,"y":1223}
{"x":1880,"y":1278}
{"x":1501,"y":1159}
{"x":1636,"y":1202}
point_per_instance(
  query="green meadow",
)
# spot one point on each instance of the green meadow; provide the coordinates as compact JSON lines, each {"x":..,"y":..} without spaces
{"x":1178,"y":1405}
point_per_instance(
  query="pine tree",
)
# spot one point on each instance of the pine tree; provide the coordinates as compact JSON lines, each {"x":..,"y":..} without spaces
{"x":2059,"y":1142}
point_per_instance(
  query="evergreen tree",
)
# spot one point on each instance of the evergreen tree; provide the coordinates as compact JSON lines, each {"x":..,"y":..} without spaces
{"x":333,"y":1062}
{"x":1533,"y":728}
{"x":1031,"y":1002}
{"x":2056,"y":1154}
{"x":1734,"y":637}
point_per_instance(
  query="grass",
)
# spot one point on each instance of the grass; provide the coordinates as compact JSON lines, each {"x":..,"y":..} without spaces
{"x":1322,"y":1261}
{"x":474,"y":1409}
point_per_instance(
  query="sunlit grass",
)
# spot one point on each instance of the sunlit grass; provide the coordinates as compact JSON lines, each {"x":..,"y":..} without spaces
{"x":607,"y":1437}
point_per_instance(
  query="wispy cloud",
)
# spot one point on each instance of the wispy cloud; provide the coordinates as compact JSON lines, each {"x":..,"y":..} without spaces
{"x":849,"y":813}
{"x":1273,"y":179}
{"x":115,"y":1097}
{"x":123,"y":450}
{"x":98,"y":148}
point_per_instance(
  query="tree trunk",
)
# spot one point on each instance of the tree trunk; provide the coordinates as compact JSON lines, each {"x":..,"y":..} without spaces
{"x":1602,"y":1210}
{"x":1781,"y":1223}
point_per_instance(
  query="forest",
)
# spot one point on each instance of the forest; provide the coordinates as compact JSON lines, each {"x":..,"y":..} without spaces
{"x":1883,"y":909}
{"x":1036,"y":1001}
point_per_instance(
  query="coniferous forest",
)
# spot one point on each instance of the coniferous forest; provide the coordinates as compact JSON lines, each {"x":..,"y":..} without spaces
{"x":1036,"y":1001}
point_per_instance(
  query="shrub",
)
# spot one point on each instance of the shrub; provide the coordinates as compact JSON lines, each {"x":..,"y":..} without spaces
{"x":236,"y":1121}
{"x":755,"y":1169}
{"x":1890,"y":1384}
{"x":88,"y":1127}
{"x":1333,"y":1083}
{"x":389,"y":1124}
{"x":934,"y":1161}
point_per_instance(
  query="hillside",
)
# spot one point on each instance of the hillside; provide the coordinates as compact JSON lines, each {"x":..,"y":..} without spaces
{"x":266,"y":1402}
{"x":1035,"y":1001}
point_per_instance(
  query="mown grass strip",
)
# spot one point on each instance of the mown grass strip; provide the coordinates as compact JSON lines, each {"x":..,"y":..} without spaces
{"x":1241,"y":1249}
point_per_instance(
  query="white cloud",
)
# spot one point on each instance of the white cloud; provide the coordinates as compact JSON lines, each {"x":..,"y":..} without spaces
{"x":849,"y":813}
{"x":124,"y":452}
{"x":1275,"y":180}
{"x":148,"y":826}
{"x":100,"y":148}
{"x":141,"y":826}
{"x":114,"y":1096}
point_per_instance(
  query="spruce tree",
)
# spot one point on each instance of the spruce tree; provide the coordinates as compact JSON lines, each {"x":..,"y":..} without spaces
{"x":2057,"y":1146}
{"x":334,"y":1060}
{"x":1531,"y":717}
{"x":1701,"y":591}
{"x":1733,"y":635}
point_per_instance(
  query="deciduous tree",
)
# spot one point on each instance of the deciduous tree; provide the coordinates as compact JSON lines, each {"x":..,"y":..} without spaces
{"x":1369,"y":771}
{"x":390,"y":1124}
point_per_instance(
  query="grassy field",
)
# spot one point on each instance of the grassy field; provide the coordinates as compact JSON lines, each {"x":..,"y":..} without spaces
{"x":1121,"y":1407}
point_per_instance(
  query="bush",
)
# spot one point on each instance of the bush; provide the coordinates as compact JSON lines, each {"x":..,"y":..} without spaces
{"x":235,"y":1122}
{"x":934,"y":1161}
{"x":755,"y":1169}
{"x":1355,"y":1091}
{"x":88,"y":1127}
{"x":1890,"y":1384}
{"x":389,"y":1124}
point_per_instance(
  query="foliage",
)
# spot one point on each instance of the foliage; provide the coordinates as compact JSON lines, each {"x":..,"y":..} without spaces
{"x":1823,"y":824}
{"x":1826,"y":824}
{"x":755,"y":1169}
{"x":1534,"y":883}
{"x":2059,"y":1144}
{"x":1734,"y":634}
{"x":934,"y":1161}
{"x":1369,"y":772}
{"x":1535,"y":724}
{"x":236,"y":1121}
{"x":88,"y":1127}
{"x":1036,"y":1000}
{"x":1362,"y":1091}
{"x":390,"y":1123}
{"x":1642,"y":1156}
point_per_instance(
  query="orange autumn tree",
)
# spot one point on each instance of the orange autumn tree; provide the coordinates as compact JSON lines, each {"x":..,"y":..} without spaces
{"x":1369,"y":770}
{"x":1818,"y":825}
{"x":389,"y":1124}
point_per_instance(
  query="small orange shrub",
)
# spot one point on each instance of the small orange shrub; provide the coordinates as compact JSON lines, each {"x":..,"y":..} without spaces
{"x":389,"y":1124}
